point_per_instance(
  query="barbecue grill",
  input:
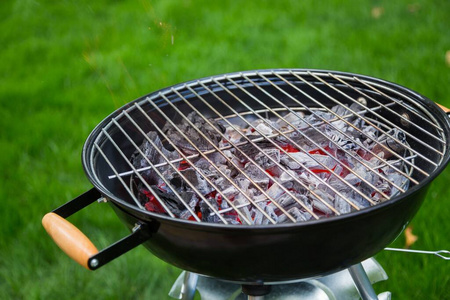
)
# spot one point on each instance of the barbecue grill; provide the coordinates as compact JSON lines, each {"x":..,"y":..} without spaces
{"x":138,"y":157}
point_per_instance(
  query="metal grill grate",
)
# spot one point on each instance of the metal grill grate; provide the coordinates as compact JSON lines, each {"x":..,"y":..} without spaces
{"x":239,"y":99}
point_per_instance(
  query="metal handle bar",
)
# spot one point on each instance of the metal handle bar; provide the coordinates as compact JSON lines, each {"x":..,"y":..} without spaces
{"x":440,"y":253}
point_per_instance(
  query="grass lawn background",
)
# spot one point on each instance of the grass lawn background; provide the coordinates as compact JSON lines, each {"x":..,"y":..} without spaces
{"x":66,"y":65}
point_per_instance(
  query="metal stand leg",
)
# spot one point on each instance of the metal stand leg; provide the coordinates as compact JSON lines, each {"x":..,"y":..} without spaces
{"x":189,"y":286}
{"x":362,"y":282}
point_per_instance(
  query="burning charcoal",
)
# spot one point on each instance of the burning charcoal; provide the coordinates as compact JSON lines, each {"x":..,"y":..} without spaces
{"x":197,"y":180}
{"x":283,"y":219}
{"x":173,"y":202}
{"x":222,"y":204}
{"x":150,"y":202}
{"x":226,"y":170}
{"x":206,"y":168}
{"x":295,"y":142}
{"x":222,"y":182}
{"x":357,"y":199}
{"x":149,"y":152}
{"x":305,"y":137}
{"x":217,"y":158}
{"x":263,"y":159}
{"x":241,"y":199}
{"x":339,"y":170}
{"x":340,"y":140}
{"x":270,"y":210}
{"x":263,"y":126}
{"x":287,"y":176}
{"x":152,"y":155}
{"x":226,"y":195}
{"x":340,"y":110}
{"x":259,"y":197}
{"x":398,"y":180}
{"x":341,"y":205}
{"x":334,"y":185}
{"x":352,"y":179}
{"x":258,"y":217}
{"x":308,"y":181}
{"x":299,"y":183}
{"x":212,"y":134}
{"x":242,"y":182}
{"x":297,"y":160}
{"x":306,"y":200}
{"x":230,"y":192}
{"x":186,"y":214}
{"x":285,"y":200}
{"x":323,"y":154}
{"x":359,"y":106}
{"x":232,"y":218}
{"x":232,"y":135}
{"x":370,"y":132}
{"x":264,"y":129}
{"x":322,"y":163}
{"x":319,"y":116}
{"x":367,"y":175}
{"x":295,"y":120}
{"x":298,"y":215}
{"x":275,"y":191}
{"x":190,"y":176}
{"x":293,"y":162}
{"x":232,"y":161}
{"x":251,"y":150}
{"x":256,"y":175}
{"x":354,"y":130}
{"x":385,"y":188}
{"x":391,"y":144}
{"x":205,"y":212}
{"x":319,"y":204}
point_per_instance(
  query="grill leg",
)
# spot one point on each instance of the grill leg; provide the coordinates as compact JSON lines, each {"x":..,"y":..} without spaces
{"x":189,"y":286}
{"x":362,"y":282}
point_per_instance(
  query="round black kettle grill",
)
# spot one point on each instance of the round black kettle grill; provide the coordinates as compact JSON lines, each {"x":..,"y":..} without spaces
{"x":144,"y":158}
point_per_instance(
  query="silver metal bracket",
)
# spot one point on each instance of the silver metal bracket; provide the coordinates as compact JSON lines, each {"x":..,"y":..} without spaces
{"x":336,"y":286}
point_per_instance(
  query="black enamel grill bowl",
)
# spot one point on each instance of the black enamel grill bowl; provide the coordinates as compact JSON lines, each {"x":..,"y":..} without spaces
{"x":262,"y":253}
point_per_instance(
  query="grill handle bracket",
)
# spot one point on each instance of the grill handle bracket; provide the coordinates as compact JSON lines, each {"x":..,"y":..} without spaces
{"x":77,"y":245}
{"x":137,"y":237}
{"x":77,"y":204}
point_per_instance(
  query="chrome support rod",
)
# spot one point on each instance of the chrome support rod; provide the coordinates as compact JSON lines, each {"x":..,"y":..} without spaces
{"x":189,"y":286}
{"x":362,"y":282}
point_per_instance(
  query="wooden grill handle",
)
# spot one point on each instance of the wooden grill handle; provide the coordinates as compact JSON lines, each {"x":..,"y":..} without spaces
{"x":69,"y":238}
{"x":445,"y":109}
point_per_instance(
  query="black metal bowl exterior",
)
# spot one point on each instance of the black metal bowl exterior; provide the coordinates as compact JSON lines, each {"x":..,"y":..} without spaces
{"x":281,"y":252}
{"x":277,"y":253}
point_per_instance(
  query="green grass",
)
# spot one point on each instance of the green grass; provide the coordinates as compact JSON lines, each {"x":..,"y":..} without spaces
{"x":66,"y":65}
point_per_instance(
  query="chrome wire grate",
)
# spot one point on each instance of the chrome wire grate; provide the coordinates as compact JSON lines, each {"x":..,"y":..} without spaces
{"x":388,"y":127}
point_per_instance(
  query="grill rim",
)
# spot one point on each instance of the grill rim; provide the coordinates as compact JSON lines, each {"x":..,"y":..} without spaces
{"x":426,"y":104}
